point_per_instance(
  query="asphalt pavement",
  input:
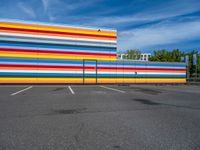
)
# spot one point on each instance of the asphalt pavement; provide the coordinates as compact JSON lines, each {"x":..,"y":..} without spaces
{"x":99,"y":117}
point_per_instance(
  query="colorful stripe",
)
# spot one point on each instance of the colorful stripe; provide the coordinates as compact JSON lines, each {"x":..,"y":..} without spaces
{"x":46,"y":53}
{"x":89,"y":70}
{"x":40,"y":80}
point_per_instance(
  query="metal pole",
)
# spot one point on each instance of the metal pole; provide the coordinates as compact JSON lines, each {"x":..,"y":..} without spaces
{"x":196,"y":72}
{"x":187,"y":66}
{"x":188,"y":73}
{"x":197,"y":66}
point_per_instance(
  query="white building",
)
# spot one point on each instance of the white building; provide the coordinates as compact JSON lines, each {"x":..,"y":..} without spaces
{"x":143,"y":56}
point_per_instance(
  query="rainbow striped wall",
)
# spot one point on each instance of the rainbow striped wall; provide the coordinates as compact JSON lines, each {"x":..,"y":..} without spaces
{"x":56,"y":42}
{"x":48,"y":53}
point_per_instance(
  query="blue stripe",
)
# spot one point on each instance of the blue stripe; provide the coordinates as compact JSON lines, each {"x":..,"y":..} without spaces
{"x":144,"y":64}
{"x":60,"y":47}
{"x":86,"y":75}
{"x":19,"y":74}
{"x":45,"y":61}
{"x":139,"y":75}
{"x":87,"y":62}
{"x":39,"y":61}
{"x":55,"y":42}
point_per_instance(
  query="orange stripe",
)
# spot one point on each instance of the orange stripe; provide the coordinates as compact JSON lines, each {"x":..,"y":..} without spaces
{"x":35,"y":80}
{"x":93,"y":80}
{"x":60,"y":35}
{"x":54,"y":28}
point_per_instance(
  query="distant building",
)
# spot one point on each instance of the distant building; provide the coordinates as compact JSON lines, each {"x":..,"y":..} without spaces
{"x":143,"y":57}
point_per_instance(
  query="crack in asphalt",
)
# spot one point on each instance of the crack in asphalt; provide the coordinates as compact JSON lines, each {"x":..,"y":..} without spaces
{"x":76,"y":136}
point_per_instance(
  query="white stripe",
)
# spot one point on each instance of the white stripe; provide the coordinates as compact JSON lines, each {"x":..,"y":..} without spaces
{"x":21,"y":91}
{"x":39,"y":71}
{"x":134,"y":66}
{"x":55,"y":37}
{"x":90,"y":72}
{"x":105,"y":87}
{"x":116,"y":67}
{"x":71,"y":90}
{"x":167,"y":73}
{"x":46,"y":41}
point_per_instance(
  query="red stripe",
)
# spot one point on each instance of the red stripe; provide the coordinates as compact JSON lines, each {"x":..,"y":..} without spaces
{"x":54,"y":52}
{"x":45,"y":66}
{"x":55,"y":32}
{"x":88,"y":67}
{"x":134,"y":68}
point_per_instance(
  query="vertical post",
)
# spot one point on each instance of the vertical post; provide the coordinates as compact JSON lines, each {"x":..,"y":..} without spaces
{"x":188,"y":72}
{"x":83,"y":71}
{"x":195,"y":63}
{"x":96,"y":72}
{"x":196,"y":72}
{"x":187,"y":66}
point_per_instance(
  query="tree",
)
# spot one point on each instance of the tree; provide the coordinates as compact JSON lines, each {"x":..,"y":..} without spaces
{"x":133,"y":54}
{"x":191,"y":63}
{"x":167,"y":56}
{"x":175,"y":56}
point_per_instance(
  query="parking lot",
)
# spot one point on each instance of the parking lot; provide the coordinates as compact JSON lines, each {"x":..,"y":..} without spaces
{"x":99,"y":117}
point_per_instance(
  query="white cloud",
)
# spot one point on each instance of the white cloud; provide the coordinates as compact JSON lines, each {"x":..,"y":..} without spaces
{"x":27,"y":9}
{"x":45,"y":4}
{"x":170,"y":9}
{"x":164,"y":33}
{"x":52,"y":8}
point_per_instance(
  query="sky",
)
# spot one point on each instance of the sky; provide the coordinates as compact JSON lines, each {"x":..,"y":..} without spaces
{"x":147,"y":25}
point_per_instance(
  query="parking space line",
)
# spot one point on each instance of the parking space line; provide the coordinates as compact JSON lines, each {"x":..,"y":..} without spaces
{"x":71,"y":90}
{"x":21,"y":91}
{"x":105,"y":87}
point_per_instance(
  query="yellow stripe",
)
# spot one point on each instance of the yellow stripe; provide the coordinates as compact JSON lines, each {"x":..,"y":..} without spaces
{"x":55,"y":57}
{"x":57,"y":29}
{"x":41,"y":80}
{"x":142,"y":80}
{"x":89,"y":80}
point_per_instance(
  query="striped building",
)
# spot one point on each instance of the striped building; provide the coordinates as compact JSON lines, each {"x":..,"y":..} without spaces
{"x":47,"y":53}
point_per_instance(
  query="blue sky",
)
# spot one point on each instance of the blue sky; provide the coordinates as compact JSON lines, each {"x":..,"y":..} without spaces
{"x":143,"y":24}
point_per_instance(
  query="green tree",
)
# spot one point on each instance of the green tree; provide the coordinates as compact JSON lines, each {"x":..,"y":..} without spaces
{"x":167,"y":56}
{"x":133,"y":54}
{"x":175,"y":56}
{"x":191,"y":65}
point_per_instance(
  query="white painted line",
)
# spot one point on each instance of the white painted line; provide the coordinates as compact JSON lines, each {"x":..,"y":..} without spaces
{"x":105,"y":87}
{"x":71,"y":90}
{"x":21,"y":91}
